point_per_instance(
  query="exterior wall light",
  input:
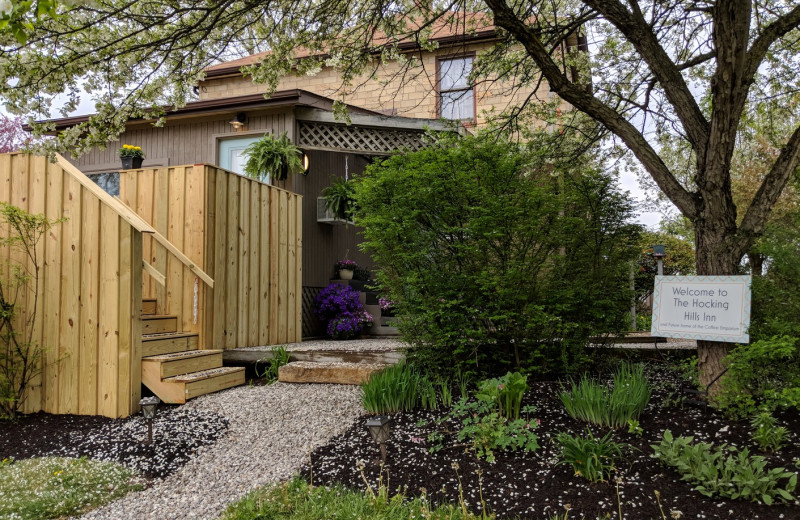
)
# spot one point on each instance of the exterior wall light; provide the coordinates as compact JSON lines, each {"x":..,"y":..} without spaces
{"x":239,"y":121}
{"x":149,"y":405}
{"x":379,"y":429}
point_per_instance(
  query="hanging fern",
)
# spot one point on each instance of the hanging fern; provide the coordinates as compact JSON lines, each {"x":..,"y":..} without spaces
{"x":273,"y":157}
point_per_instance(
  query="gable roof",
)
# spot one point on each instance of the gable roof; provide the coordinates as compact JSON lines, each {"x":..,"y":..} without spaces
{"x":444,"y":32}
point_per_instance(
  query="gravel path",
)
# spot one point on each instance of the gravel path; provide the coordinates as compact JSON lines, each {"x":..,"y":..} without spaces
{"x":271,"y":431}
{"x":353,"y":345}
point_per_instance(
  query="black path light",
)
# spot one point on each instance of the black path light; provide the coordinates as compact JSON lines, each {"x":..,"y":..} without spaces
{"x":149,"y":405}
{"x":379,"y":429}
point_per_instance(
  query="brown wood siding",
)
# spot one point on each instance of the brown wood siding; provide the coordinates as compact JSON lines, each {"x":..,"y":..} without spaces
{"x":90,"y":276}
{"x":325,"y":244}
{"x":187,"y":141}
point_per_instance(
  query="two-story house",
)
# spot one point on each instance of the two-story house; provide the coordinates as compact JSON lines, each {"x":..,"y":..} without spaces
{"x":388,"y":111}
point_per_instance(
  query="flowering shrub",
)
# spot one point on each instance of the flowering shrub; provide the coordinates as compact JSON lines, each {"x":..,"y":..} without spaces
{"x":385,"y":304}
{"x":339,"y":307}
{"x":129,"y":150}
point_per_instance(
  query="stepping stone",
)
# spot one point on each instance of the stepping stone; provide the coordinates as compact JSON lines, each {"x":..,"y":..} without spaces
{"x":334,"y":373}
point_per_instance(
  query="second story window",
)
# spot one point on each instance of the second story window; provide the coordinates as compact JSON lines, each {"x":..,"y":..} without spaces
{"x":456,"y":94}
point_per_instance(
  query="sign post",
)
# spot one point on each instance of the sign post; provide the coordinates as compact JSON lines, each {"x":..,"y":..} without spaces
{"x":713,"y":308}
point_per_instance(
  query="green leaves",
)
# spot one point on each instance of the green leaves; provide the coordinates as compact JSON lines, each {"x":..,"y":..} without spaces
{"x":593,"y":402}
{"x":272,"y":157}
{"x":725,"y":471}
{"x":590,"y":457}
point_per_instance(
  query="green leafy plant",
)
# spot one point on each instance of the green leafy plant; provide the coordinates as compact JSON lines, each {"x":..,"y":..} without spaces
{"x":279,"y":357}
{"x":634,"y":428}
{"x":764,"y":375}
{"x":339,"y":198}
{"x":505,"y":393}
{"x":593,"y":402}
{"x":591,"y":458}
{"x":272,"y":157}
{"x":20,"y":355}
{"x":394,"y":389}
{"x":725,"y":471}
{"x":488,"y":430}
{"x":766,"y":432}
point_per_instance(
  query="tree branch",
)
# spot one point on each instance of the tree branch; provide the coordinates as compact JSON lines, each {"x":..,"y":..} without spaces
{"x":768,"y":36}
{"x":636,"y":29}
{"x":771,"y":187}
{"x":578,"y":97}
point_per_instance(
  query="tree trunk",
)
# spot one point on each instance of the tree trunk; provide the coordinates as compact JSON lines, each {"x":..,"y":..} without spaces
{"x":756,"y":263}
{"x":715,"y":256}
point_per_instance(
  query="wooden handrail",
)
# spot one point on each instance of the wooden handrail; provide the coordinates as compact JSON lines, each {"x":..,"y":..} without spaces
{"x":177,"y":253}
{"x":127,"y":214}
{"x":155,"y":273}
{"x":136,"y":221}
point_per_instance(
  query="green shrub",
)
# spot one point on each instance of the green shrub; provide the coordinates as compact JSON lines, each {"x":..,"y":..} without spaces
{"x":297,"y":500}
{"x":767,"y":433}
{"x":393,"y":389}
{"x":591,"y":401}
{"x":762,"y":375}
{"x":55,"y":487}
{"x":591,"y":458}
{"x":500,"y":257}
{"x":724,"y":471}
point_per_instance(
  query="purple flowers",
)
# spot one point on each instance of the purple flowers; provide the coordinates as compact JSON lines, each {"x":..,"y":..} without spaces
{"x":346,"y":264}
{"x":339,"y":306}
{"x":385,"y":304}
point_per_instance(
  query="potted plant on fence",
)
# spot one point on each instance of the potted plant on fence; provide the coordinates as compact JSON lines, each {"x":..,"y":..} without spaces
{"x":271,"y":157}
{"x":345,"y":269}
{"x":339,"y":198}
{"x":132,"y":156}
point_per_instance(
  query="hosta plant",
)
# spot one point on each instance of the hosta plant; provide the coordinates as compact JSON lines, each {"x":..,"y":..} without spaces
{"x":725,"y":471}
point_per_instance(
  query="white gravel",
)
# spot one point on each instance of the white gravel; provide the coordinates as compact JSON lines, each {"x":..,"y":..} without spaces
{"x":353,"y":345}
{"x":272,"y":429}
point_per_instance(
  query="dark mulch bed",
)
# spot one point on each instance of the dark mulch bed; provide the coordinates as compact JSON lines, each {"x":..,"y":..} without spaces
{"x":532,"y":485}
{"x":177,"y":434}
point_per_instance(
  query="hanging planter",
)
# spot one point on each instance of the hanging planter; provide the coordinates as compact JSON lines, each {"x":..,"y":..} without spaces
{"x":273,"y":158}
{"x":131,"y":156}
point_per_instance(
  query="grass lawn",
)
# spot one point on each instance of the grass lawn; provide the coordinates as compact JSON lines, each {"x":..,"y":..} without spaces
{"x":297,"y":500}
{"x":55,"y":487}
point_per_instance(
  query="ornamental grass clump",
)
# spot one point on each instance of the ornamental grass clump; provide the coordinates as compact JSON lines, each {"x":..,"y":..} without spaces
{"x":394,"y":389}
{"x":338,"y":306}
{"x":591,"y":401}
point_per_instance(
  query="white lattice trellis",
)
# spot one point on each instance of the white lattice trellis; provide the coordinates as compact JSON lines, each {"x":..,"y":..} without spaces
{"x":359,"y":139}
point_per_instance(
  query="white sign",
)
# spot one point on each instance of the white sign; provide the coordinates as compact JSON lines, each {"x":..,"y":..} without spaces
{"x":714,"y":308}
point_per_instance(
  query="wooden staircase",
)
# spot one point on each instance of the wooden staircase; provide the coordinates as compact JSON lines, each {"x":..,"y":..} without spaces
{"x":173,"y":366}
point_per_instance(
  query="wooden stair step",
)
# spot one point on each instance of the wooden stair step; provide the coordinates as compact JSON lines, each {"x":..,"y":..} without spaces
{"x":154,"y":323}
{"x":178,"y":389}
{"x":149,"y":305}
{"x":189,"y":361}
{"x":334,"y":373}
{"x":168,"y":342}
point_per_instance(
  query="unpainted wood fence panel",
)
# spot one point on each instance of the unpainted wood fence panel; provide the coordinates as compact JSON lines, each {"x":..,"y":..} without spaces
{"x":247,"y":235}
{"x":90,"y":276}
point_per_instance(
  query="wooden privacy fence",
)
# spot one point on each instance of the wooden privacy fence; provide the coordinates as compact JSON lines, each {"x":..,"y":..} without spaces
{"x":245,"y":234}
{"x":90,"y":289}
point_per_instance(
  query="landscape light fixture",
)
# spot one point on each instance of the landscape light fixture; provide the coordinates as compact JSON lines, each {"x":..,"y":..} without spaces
{"x":379,"y":429}
{"x":238,"y":121}
{"x":659,"y":252}
{"x":149,"y":405}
